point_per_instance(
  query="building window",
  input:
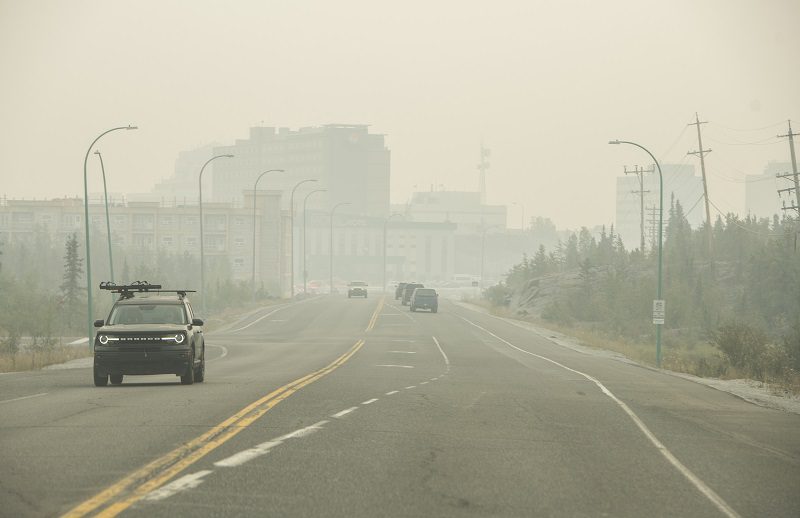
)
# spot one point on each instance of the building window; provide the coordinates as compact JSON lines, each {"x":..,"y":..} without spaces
{"x":166,"y":221}
{"x":238,"y":263}
{"x":239,"y":242}
{"x":191,"y":242}
{"x":143,"y":221}
{"x":167,"y":240}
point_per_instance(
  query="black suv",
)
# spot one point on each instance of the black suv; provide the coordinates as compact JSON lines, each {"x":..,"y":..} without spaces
{"x":149,"y":331}
{"x":425,"y":298}
{"x":408,"y":290}
{"x":398,"y":292}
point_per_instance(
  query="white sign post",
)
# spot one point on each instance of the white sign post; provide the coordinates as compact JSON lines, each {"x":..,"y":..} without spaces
{"x":659,"y":311}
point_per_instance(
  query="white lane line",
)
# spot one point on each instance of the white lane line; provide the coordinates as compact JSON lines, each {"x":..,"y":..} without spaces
{"x":686,"y":472}
{"x":24,"y":397}
{"x":223,"y":355}
{"x":392,"y":392}
{"x":237,"y":459}
{"x":190,"y":481}
{"x":398,"y":366}
{"x":367,"y":402}
{"x":434,"y":379}
{"x":403,"y":352}
{"x":410,"y":387}
{"x":79,"y":341}
{"x":302,"y":432}
{"x":446,"y":359}
{"x":424,"y":382}
{"x":344,"y":412}
{"x":269,"y":314}
{"x":405,"y":341}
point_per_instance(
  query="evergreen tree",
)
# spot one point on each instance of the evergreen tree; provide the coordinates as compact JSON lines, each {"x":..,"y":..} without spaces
{"x":70,"y":288}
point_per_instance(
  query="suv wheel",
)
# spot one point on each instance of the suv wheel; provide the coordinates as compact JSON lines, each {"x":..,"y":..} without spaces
{"x":188,"y":378}
{"x":200,"y":372}
{"x":100,"y":381}
{"x":116,"y":379}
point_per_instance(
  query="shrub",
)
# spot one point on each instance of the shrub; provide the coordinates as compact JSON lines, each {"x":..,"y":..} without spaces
{"x":744,"y":346}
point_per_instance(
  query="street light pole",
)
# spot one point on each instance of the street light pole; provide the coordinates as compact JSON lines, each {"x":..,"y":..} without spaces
{"x":305,"y":271}
{"x":202,"y":247}
{"x":385,"y":223}
{"x":331,"y":248}
{"x":291,"y":228}
{"x":255,"y":185}
{"x":108,"y":220}
{"x":89,"y":324}
{"x":660,"y":230}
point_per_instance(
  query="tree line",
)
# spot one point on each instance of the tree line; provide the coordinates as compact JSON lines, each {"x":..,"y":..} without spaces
{"x":740,"y":292}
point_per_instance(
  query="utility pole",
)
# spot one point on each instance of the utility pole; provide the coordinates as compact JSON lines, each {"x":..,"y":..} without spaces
{"x":793,"y":174}
{"x":639,"y":172}
{"x":653,"y":222}
{"x":702,"y":152}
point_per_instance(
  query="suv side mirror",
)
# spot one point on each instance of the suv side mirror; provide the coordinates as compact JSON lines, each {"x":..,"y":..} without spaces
{"x":99,"y":323}
{"x":197,"y":321}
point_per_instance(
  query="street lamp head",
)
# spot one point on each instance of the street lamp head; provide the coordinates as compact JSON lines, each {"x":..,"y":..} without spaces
{"x":614,"y":141}
{"x":130,"y":127}
{"x":97,"y":152}
{"x":228,"y":156}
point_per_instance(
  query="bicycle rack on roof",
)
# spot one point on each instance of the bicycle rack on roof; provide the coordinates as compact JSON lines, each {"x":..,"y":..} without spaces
{"x":127,"y":291}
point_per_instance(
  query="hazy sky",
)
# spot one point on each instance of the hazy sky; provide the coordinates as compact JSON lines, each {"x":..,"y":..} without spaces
{"x":544,"y":84}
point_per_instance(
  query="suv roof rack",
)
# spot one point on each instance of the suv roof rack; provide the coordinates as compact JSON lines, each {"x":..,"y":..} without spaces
{"x":127,"y":291}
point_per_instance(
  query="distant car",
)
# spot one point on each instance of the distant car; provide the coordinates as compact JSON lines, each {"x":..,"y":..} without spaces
{"x":425,"y":298}
{"x":357,"y":289}
{"x":149,"y":331}
{"x":398,"y":292}
{"x":408,"y":290}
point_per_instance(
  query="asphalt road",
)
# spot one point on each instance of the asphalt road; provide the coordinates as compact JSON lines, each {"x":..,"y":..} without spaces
{"x":352,"y":407}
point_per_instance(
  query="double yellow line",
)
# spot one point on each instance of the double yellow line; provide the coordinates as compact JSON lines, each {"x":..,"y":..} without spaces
{"x":135,"y":486}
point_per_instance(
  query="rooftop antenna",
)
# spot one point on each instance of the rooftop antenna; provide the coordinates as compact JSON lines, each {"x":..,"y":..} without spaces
{"x":483,"y":166}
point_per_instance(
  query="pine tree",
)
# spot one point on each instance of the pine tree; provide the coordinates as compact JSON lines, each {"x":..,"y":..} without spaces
{"x":70,"y":288}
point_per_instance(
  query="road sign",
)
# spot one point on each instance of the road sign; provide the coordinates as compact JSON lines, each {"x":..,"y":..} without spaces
{"x":659,"y":311}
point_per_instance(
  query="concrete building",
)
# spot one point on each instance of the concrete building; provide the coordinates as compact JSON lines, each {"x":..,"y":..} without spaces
{"x":463,"y":208}
{"x":142,"y":230}
{"x":414,"y":250}
{"x":680,"y":183}
{"x":348,"y":161}
{"x":761,"y":198}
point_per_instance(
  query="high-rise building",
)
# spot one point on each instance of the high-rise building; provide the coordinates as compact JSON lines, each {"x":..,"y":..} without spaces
{"x":348,"y":161}
{"x":761,"y":197}
{"x":680,"y":184}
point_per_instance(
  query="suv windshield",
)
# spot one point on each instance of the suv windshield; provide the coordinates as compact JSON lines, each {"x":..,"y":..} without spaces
{"x":424,"y":292}
{"x":148,"y":314}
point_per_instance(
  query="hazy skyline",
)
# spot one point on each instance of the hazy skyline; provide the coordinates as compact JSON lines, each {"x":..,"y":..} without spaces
{"x":544,"y":85}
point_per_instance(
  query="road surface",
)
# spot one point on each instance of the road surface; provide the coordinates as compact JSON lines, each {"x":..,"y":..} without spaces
{"x":360,"y":408}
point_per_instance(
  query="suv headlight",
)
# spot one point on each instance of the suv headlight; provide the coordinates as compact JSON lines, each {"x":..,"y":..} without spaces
{"x":179,"y":338}
{"x":104,"y":339}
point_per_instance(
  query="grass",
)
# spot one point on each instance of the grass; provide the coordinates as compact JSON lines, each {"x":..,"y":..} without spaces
{"x":28,"y":360}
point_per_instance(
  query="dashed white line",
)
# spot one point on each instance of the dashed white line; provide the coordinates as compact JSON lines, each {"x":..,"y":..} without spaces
{"x":392,"y":392}
{"x":240,"y":458}
{"x":434,"y":379}
{"x":24,"y":397}
{"x":344,"y":412}
{"x":423,"y":382}
{"x":237,"y":459}
{"x":302,"y":432}
{"x":190,"y":481}
{"x":410,"y":387}
{"x":367,"y":402}
{"x":398,"y":366}
{"x":403,"y":352}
